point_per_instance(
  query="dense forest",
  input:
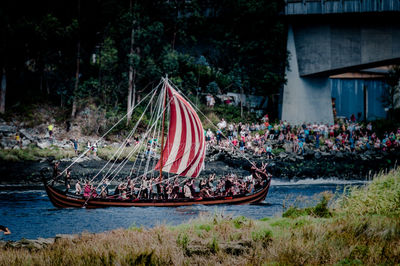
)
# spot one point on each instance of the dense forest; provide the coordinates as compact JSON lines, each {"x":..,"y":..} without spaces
{"x":110,"y":53}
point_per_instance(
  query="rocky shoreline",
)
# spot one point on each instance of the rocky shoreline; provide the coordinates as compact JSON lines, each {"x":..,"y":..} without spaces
{"x":35,"y":244}
{"x":315,"y":164}
{"x":342,"y":165}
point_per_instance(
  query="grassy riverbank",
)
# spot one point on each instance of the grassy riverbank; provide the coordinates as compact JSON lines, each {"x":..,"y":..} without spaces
{"x":360,"y":228}
{"x":33,"y":153}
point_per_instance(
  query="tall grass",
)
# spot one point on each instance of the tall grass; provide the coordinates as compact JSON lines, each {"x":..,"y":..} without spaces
{"x":381,"y":197}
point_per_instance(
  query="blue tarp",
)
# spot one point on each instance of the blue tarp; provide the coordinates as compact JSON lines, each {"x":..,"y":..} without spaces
{"x":349,"y":95}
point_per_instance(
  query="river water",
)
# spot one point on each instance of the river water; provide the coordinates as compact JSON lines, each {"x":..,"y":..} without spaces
{"x":28,"y":212}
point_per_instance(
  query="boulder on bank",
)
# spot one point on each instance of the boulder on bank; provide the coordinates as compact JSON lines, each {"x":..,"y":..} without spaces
{"x":44,"y":144}
{"x":7,"y":129}
{"x":28,"y":134}
{"x":31,"y":244}
{"x":7,"y":143}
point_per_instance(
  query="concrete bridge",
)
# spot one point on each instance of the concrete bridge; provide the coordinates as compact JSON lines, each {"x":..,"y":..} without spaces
{"x":339,"y":50}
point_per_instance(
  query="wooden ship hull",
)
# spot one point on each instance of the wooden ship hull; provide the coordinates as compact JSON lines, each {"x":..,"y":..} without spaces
{"x":62,"y":199}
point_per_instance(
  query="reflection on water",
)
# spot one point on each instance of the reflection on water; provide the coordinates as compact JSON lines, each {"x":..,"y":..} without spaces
{"x":29,"y":214}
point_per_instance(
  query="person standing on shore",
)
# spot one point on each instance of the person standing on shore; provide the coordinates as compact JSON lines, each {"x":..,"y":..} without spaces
{"x":75,"y":143}
{"x":5,"y":230}
{"x":94,"y":149}
{"x":241,"y":145}
{"x":89,"y":147}
{"x":219,"y":136}
{"x":50,"y":128}
{"x":18,"y":139}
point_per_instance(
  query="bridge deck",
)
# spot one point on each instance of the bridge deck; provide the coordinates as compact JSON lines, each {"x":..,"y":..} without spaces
{"x":313,"y":7}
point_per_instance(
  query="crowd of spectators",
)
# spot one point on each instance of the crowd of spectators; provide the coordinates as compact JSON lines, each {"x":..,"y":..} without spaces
{"x":264,"y":137}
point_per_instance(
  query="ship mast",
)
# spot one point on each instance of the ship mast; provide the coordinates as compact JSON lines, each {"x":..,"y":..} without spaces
{"x":162,"y":127}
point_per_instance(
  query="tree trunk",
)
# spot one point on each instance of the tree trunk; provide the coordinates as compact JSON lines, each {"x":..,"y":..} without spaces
{"x":47,"y":84}
{"x":3,"y":92}
{"x":41,"y":82}
{"x":132,"y":74}
{"x":173,"y":40}
{"x":74,"y":103}
{"x":241,"y":102}
{"x":78,"y":59}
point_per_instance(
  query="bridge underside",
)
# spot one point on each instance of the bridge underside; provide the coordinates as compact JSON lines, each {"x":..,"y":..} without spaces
{"x":321,"y":47}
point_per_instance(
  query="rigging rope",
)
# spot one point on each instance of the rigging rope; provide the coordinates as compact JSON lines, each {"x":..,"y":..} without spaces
{"x":129,"y":136}
{"x":122,"y":146}
{"x":105,"y":134}
{"x":125,"y":161}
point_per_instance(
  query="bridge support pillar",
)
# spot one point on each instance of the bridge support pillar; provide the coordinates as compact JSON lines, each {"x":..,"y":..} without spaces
{"x":305,"y":99}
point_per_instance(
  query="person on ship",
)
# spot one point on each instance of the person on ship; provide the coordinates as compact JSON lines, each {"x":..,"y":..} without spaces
{"x":204,"y":192}
{"x":169,"y":191}
{"x":93,"y":191}
{"x":67,"y":180}
{"x":159,"y":189}
{"x":78,"y":188}
{"x":104,"y":189}
{"x":175,"y":189}
{"x":130,"y":186}
{"x":186,"y":190}
{"x":103,"y":192}
{"x":210,"y":182}
{"x":143,"y":189}
{"x":260,"y":173}
{"x":55,"y":171}
{"x":229,"y":185}
{"x":86,"y":190}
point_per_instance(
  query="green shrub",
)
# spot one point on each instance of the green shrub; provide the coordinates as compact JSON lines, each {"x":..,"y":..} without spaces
{"x":205,"y":227}
{"x":239,"y":221}
{"x":136,"y":228}
{"x":263,"y":236}
{"x":277,"y":151}
{"x":350,"y":262}
{"x":294,"y":212}
{"x":319,"y":210}
{"x":183,"y":240}
{"x":214,"y":245}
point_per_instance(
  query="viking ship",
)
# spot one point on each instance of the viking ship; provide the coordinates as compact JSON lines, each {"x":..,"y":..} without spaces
{"x":179,"y":155}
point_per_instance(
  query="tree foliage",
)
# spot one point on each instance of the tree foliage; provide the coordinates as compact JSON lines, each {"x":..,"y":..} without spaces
{"x":203,"y":46}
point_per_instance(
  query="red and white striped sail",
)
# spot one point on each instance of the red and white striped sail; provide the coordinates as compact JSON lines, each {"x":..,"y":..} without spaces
{"x":185,"y":148}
